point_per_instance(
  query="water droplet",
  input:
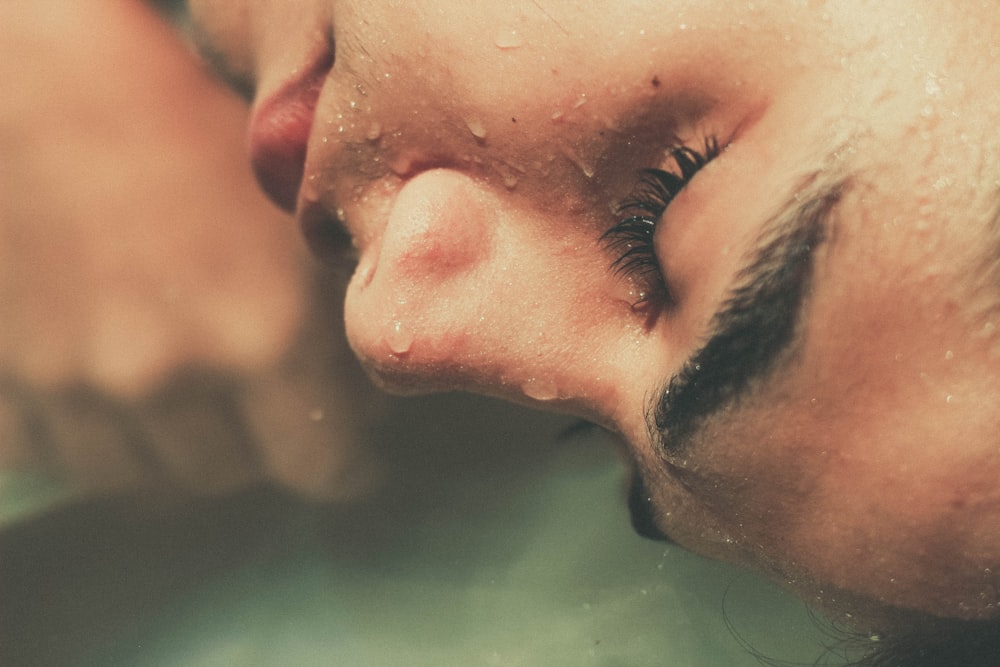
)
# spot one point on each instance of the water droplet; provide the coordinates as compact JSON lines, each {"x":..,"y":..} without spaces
{"x":931,"y":85}
{"x":476,"y":127}
{"x":510,"y":174}
{"x":401,"y":165}
{"x":507,"y":38}
{"x":310,"y":188}
{"x":399,"y":339}
{"x":374,"y":132}
{"x":580,"y":101}
{"x":540,"y":389}
{"x":585,"y":166}
{"x":949,"y":355}
{"x":316,"y":415}
{"x":365,"y":272}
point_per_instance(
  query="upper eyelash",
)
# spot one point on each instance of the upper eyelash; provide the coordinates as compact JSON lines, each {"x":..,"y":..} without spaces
{"x":631,"y":239}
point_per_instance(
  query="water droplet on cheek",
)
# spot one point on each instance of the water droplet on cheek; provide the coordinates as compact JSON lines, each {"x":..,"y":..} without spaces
{"x":540,"y":389}
{"x":399,"y":338}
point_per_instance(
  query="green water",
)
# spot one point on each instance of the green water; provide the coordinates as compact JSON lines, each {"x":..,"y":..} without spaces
{"x":491,"y":542}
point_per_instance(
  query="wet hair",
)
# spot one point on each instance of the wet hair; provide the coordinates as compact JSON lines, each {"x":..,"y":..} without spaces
{"x":941,"y":643}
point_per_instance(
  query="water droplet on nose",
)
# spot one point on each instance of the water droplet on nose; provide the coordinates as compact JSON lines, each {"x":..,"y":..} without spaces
{"x":374,"y":132}
{"x":540,"y":389}
{"x":507,"y":38}
{"x":476,"y":127}
{"x":399,"y":338}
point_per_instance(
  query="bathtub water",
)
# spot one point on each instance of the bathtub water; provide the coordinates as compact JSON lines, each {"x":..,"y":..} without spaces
{"x":492,"y":542}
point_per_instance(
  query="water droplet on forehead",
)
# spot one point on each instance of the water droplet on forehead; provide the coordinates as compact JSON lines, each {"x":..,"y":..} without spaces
{"x":508,"y":38}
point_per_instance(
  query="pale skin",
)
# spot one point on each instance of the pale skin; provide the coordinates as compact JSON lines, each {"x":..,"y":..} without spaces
{"x":477,"y":153}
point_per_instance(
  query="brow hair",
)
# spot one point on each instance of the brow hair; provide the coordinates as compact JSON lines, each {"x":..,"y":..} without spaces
{"x":755,"y":324}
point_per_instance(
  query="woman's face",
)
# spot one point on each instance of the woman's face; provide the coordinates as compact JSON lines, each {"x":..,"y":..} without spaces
{"x":791,"y":324}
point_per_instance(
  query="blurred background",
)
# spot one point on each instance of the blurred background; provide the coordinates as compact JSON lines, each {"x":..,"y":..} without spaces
{"x":194,"y":471}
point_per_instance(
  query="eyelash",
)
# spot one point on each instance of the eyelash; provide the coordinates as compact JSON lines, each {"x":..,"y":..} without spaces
{"x":631,"y":240}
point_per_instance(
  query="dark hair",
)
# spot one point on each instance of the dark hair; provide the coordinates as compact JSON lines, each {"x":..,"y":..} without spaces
{"x":939,"y":643}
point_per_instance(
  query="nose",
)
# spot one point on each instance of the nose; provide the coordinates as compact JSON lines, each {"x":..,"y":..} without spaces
{"x":415,"y":306}
{"x":455,"y":295}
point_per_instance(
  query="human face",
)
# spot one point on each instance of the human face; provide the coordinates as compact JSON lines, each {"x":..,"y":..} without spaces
{"x":799,"y":351}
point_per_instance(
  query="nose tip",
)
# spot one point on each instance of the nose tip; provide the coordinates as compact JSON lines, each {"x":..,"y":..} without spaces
{"x":439,"y":228}
{"x":416,"y":305}
{"x":279,"y":134}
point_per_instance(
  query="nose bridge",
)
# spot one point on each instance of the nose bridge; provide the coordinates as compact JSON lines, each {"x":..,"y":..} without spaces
{"x":462,"y":289}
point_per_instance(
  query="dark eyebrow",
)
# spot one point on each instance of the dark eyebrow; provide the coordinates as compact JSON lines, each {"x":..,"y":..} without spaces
{"x":756,"y":323}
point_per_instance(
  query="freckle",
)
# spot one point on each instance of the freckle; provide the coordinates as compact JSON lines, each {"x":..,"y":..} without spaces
{"x":513,"y":120}
{"x":655,"y":82}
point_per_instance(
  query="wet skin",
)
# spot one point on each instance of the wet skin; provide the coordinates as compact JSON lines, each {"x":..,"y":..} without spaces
{"x":806,"y":378}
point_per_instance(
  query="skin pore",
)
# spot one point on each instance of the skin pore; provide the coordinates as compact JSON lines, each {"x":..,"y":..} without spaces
{"x":818,"y":396}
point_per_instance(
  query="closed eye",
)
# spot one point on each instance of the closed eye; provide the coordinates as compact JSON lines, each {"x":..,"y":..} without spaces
{"x":631,"y":240}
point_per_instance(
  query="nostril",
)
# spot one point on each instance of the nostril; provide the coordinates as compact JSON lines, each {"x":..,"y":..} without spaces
{"x":326,"y":236}
{"x":279,"y":132}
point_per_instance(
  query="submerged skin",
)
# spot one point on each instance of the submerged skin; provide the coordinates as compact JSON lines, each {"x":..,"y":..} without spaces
{"x":477,"y":152}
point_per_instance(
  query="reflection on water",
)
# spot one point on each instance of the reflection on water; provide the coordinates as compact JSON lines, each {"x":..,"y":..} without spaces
{"x":491,"y":541}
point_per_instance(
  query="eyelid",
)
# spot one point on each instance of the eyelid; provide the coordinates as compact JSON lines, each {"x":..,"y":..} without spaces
{"x":631,"y":240}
